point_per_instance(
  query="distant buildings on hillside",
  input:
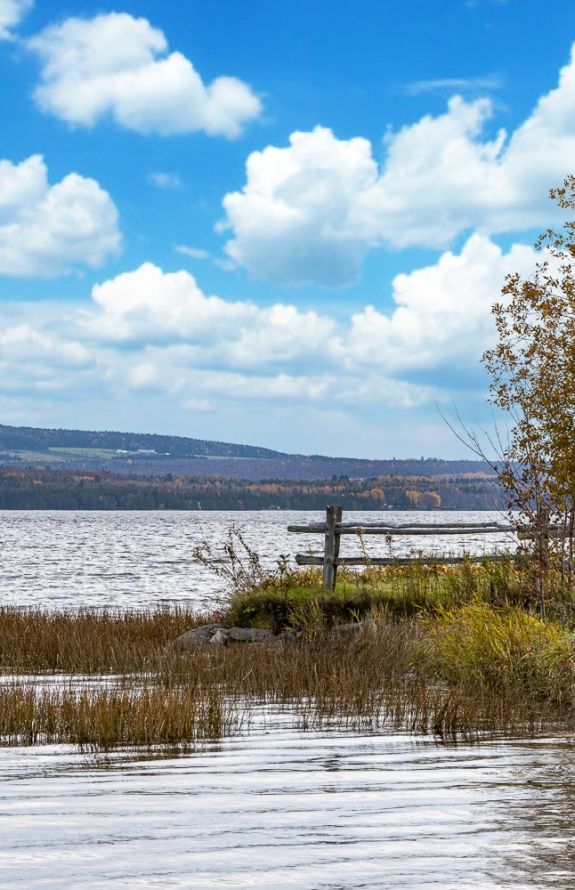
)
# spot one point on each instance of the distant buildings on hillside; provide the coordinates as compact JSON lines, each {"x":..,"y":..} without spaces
{"x":143,"y":452}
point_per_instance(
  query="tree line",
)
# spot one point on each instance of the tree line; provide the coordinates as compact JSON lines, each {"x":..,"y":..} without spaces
{"x":41,"y":488}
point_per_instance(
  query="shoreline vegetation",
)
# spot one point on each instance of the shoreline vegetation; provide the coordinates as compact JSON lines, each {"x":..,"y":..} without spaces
{"x":458,"y":651}
{"x":44,"y":488}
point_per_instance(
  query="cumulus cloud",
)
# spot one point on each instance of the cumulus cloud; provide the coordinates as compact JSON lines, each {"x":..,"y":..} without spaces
{"x":152,"y":306}
{"x":11,"y":14}
{"x":312,"y":210}
{"x":174,"y":370}
{"x":36,"y":363}
{"x":24,"y":341}
{"x":293,"y":221}
{"x":157,"y":334}
{"x":443,"y":315}
{"x":48,"y":229}
{"x":441,"y":318}
{"x":118,"y":66}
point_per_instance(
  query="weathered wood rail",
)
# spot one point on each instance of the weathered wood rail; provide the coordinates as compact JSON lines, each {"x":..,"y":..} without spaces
{"x":334,"y":528}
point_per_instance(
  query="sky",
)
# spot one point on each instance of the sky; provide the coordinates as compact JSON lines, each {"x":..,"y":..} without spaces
{"x":280,"y":224}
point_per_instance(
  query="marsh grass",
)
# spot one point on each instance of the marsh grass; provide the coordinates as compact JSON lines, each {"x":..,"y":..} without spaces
{"x":87,"y":641}
{"x":123,"y":641}
{"x":108,"y":718}
{"x":367,"y":680}
{"x":296,"y":598}
{"x":449,"y":650}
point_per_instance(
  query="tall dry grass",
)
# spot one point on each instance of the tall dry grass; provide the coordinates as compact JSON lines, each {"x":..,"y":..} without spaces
{"x":107,"y":718}
{"x":365,"y":679}
{"x":451,"y":650}
{"x":87,"y":641}
{"x":121,"y":641}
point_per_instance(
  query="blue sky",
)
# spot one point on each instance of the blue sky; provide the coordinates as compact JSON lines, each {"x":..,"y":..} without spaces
{"x":281,"y":224}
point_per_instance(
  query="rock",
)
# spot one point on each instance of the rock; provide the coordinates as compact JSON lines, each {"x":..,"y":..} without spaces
{"x":198,"y":636}
{"x":284,"y":639}
{"x":220,"y":635}
{"x":220,"y":638}
{"x":248,"y":634}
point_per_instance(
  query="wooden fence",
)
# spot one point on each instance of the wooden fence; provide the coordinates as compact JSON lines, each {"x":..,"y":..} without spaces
{"x":334,"y":528}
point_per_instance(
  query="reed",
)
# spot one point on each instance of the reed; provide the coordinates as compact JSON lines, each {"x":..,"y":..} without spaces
{"x":372,"y":677}
{"x":87,"y":641}
{"x":452,"y":650}
{"x":107,"y":718}
{"x":369,"y":678}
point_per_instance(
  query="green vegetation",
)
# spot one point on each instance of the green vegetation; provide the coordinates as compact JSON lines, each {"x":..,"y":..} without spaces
{"x":21,"y":438}
{"x":294,"y":599}
{"x":502,"y":650}
{"x":451,"y":650}
{"x":84,"y":452}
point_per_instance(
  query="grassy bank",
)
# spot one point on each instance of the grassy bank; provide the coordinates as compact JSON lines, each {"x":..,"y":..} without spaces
{"x":456,"y":650}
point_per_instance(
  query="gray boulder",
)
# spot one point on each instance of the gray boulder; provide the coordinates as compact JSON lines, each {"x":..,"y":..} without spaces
{"x":284,"y":639}
{"x":198,"y":636}
{"x":248,"y":634}
{"x":222,"y":636}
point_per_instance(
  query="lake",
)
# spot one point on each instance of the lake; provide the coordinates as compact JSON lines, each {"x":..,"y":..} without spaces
{"x":137,"y":559}
{"x":280,"y":808}
{"x":274,"y":806}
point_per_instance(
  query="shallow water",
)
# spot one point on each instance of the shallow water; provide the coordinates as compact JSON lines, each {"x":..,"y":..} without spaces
{"x":141,"y":559}
{"x":280,"y":808}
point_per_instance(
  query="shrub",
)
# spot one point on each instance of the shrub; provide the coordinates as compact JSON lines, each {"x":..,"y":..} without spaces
{"x":503,"y":649}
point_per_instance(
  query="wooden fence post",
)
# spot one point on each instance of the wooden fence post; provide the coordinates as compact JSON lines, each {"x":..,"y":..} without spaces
{"x":331,"y":546}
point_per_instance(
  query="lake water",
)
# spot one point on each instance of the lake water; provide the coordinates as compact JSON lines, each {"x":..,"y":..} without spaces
{"x":274,"y":806}
{"x":143,"y":559}
{"x":279,"y":808}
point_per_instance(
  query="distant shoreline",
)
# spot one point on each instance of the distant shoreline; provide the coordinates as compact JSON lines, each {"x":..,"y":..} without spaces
{"x":45,"y":488}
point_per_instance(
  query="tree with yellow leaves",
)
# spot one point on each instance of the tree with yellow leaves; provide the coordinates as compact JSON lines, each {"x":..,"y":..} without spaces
{"x":532,"y":370}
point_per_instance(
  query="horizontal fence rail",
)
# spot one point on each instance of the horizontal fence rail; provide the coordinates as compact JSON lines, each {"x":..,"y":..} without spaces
{"x":390,"y":530}
{"x":334,"y":528}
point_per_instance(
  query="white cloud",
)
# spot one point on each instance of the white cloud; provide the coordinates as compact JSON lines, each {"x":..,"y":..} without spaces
{"x":196,"y":253}
{"x":173,"y":370}
{"x":312,"y":210}
{"x":11,"y":14}
{"x":24,"y":342}
{"x":38,"y":362}
{"x":157,"y":334}
{"x":293,"y":220}
{"x":443,"y":315}
{"x":442,"y":318}
{"x":47,"y":229}
{"x":119,"y":66}
{"x":453,"y":84}
{"x":165,"y":180}
{"x":152,"y":306}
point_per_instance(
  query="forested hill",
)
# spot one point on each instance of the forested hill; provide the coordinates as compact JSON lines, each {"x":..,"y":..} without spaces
{"x":44,"y":489}
{"x":22,"y":438}
{"x":145,"y":454}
